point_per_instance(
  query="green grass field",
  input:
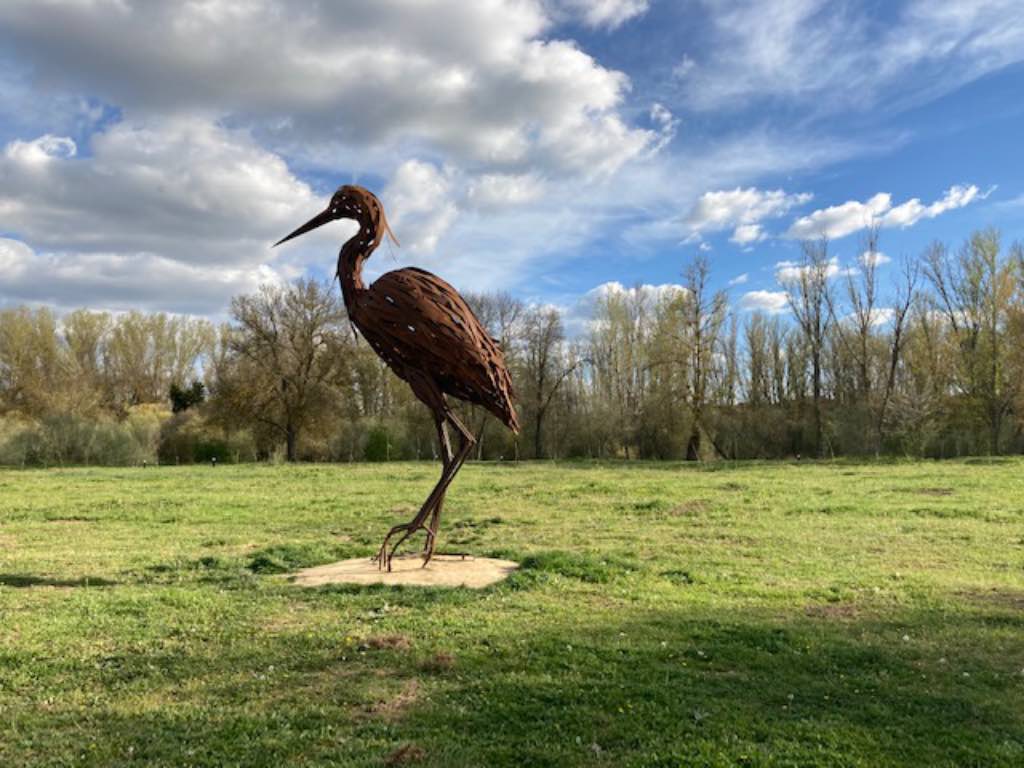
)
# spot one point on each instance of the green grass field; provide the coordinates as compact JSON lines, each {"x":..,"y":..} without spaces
{"x":666,"y":615}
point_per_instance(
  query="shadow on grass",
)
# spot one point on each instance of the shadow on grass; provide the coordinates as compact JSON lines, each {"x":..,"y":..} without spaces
{"x":667,"y":688}
{"x":20,"y":581}
{"x":671,"y":689}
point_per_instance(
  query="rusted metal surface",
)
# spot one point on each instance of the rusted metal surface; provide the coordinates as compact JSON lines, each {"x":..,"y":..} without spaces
{"x":427,"y":334}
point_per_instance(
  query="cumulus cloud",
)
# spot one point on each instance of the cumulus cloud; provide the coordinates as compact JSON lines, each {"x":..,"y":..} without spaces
{"x":912,"y":211}
{"x":485,"y":90}
{"x":873,"y":258}
{"x":790,"y":271}
{"x":772,"y":302}
{"x":841,"y":220}
{"x":495,"y":190}
{"x":118,"y":281}
{"x":610,"y":14}
{"x":641,"y":291}
{"x":181,"y":208}
{"x":579,"y":316}
{"x":740,"y":279}
{"x":182,"y":188}
{"x":743,"y":209}
{"x":419,"y":197}
{"x":852,"y":216}
{"x":41,"y":150}
{"x":747,"y":233}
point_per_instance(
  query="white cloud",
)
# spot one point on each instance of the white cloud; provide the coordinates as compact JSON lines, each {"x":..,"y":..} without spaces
{"x":643,"y":290}
{"x":181,"y":188}
{"x":533,"y":147}
{"x":882,"y":315}
{"x":180,"y":208}
{"x":40,"y":150}
{"x":852,"y":216}
{"x":494,"y":190}
{"x":740,"y":279}
{"x":912,"y":211}
{"x":610,"y":14}
{"x":841,"y":220}
{"x":879,"y":316}
{"x":873,"y":258}
{"x":747,"y":233}
{"x":772,"y":302}
{"x":789,"y":271}
{"x":743,"y":209}
{"x":420,"y":205}
{"x":124,"y":281}
{"x":475,"y":81}
{"x":579,"y":315}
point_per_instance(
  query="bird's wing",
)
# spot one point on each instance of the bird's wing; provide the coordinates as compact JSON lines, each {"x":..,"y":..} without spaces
{"x":415,"y":320}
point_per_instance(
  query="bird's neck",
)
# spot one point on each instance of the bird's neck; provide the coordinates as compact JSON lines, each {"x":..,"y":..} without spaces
{"x":350,"y":262}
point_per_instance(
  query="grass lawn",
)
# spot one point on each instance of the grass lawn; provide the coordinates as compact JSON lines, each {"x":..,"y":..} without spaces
{"x":666,"y":615}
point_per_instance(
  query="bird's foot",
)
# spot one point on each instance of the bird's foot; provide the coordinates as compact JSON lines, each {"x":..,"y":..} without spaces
{"x":428,"y":546}
{"x":385,"y":555}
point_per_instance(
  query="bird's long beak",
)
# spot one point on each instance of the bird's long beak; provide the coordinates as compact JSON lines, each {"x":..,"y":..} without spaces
{"x":317,"y":221}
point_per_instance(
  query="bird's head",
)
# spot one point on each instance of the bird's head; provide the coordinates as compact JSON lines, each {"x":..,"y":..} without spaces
{"x":351,"y":202}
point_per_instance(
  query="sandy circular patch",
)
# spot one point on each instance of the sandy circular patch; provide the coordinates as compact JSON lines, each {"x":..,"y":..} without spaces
{"x":443,"y":571}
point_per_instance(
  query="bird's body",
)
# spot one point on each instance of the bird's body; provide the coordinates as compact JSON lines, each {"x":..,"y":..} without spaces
{"x":419,"y":325}
{"x":428,"y":335}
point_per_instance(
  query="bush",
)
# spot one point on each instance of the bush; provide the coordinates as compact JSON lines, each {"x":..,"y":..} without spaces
{"x":186,"y":438}
{"x":69,"y":439}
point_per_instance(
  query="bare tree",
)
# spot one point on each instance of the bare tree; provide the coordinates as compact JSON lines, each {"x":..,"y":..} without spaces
{"x":545,"y":367}
{"x":903,"y":300}
{"x":705,"y":313}
{"x":620,"y":349}
{"x":810,"y":298}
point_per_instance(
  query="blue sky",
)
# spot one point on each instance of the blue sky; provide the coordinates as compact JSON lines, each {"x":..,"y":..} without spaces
{"x":553,"y":148}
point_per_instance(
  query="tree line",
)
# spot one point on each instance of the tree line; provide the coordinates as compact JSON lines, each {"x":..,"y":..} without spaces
{"x":928,"y":361}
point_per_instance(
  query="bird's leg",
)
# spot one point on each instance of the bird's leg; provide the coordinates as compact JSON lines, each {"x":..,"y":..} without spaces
{"x":435,"y":496}
{"x":435,"y":516}
{"x":467,"y":441}
{"x":384,"y":557}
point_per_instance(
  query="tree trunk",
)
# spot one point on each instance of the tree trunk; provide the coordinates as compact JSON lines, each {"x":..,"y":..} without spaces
{"x":693,"y":444}
{"x":291,"y":436}
{"x":538,"y":435}
{"x":819,"y":430}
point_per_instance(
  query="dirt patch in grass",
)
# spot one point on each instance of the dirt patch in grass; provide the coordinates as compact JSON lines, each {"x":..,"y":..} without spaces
{"x":934,"y":491}
{"x":388,"y":643}
{"x":996,"y":597}
{"x":683,"y":578}
{"x":393,"y":706}
{"x":72,"y":520}
{"x":439,"y":662}
{"x":690,"y":508}
{"x":834,"y":611}
{"x":732,"y":486}
{"x":405,"y":755}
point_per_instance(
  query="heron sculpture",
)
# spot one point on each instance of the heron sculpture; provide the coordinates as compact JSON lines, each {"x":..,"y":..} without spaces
{"x":426,"y":333}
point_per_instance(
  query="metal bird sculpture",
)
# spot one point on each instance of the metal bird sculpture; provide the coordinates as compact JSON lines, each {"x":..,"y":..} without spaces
{"x":427,"y":334}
